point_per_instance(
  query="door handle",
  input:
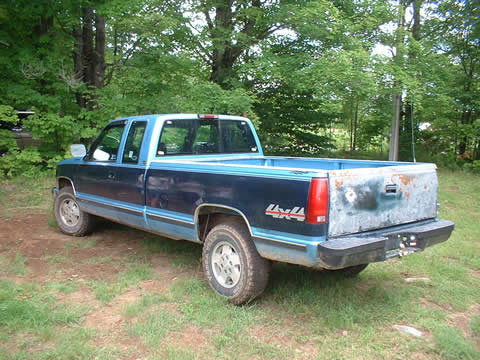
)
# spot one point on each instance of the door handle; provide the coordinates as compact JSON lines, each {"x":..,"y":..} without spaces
{"x":111,"y":175}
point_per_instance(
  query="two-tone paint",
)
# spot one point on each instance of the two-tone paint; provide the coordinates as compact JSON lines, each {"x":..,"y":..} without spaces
{"x":168,"y":195}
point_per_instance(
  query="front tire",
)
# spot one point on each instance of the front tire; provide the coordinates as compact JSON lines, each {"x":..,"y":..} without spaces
{"x":232,"y":265}
{"x":70,"y":219}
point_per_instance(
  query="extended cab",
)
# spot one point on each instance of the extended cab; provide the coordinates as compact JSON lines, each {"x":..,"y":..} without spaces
{"x":204,"y":178}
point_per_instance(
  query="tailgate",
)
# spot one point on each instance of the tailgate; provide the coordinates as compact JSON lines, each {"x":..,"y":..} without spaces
{"x":373,"y":198}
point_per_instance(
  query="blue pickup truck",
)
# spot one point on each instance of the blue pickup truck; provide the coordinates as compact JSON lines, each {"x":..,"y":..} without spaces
{"x":204,"y":178}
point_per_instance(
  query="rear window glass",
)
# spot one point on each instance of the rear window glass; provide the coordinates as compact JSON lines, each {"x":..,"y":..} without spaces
{"x":205,"y":136}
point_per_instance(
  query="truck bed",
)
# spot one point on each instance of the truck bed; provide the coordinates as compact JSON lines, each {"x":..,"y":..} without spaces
{"x":360,"y":199}
{"x":293,"y":162}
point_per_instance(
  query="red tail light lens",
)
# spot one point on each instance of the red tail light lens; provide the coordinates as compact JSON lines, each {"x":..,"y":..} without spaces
{"x":317,"y":211}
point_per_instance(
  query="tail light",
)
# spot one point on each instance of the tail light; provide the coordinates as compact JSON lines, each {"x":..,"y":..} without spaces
{"x":317,"y":211}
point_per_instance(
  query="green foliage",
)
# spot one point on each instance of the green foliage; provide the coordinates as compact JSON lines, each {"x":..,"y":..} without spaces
{"x":7,"y":140}
{"x":27,"y":162}
{"x":305,"y":71}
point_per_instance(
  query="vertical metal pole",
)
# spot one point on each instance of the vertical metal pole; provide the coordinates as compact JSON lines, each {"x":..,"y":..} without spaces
{"x":413,"y":133}
{"x":397,"y":99}
{"x":393,"y":148}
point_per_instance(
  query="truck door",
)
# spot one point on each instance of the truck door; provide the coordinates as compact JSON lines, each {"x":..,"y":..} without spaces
{"x":98,"y":170}
{"x":128,"y":187}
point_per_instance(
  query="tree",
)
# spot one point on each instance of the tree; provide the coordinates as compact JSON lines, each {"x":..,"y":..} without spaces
{"x":232,"y":28}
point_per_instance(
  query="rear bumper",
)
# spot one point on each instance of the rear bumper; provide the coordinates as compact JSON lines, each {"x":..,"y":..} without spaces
{"x":341,"y":252}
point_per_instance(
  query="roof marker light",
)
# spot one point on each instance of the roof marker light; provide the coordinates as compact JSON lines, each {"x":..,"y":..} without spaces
{"x":207,"y":116}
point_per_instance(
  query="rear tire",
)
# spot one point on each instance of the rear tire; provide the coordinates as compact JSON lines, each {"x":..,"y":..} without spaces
{"x":350,"y":271}
{"x":232,"y":265}
{"x":70,"y":219}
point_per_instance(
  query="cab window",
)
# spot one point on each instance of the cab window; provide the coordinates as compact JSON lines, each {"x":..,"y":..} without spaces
{"x":105,"y":147}
{"x":133,"y":144}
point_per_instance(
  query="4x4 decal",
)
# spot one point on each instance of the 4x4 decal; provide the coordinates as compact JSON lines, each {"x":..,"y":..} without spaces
{"x":277,"y":212}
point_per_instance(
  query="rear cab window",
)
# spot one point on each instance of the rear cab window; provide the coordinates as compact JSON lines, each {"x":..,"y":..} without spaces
{"x":205,"y":136}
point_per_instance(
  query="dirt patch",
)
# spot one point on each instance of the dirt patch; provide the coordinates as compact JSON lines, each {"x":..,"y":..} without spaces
{"x":431,"y":304}
{"x":48,"y":256}
{"x":462,"y":320}
{"x":287,"y":337}
{"x":190,"y":337}
{"x":451,"y":188}
{"x":475,"y":273}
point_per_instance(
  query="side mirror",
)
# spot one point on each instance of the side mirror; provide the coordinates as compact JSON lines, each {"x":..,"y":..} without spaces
{"x":78,"y":150}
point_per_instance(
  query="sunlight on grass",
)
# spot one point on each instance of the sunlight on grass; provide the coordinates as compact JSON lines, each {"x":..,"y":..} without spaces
{"x":304,"y":313}
{"x":25,"y":307}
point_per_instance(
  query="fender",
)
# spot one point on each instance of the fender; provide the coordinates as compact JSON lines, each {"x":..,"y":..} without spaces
{"x":199,"y":207}
{"x":69,"y":180}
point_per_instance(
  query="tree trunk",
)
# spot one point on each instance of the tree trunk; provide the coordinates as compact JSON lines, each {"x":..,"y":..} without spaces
{"x":224,"y":30}
{"x":88,"y":55}
{"x":78,"y":60}
{"x":466,"y":119}
{"x":99,"y":51}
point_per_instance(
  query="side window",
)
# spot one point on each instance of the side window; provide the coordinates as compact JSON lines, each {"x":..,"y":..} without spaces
{"x":105,"y":148}
{"x":175,"y":138}
{"x":172,"y":141}
{"x":133,"y":144}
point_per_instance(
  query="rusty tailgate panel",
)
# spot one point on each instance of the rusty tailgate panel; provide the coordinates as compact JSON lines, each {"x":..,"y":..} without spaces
{"x":367,"y":199}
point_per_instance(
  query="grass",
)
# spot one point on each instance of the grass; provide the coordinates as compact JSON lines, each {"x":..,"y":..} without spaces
{"x":57,"y":259}
{"x":81,"y":244}
{"x":98,"y":260}
{"x":25,"y":194}
{"x":475,"y":325}
{"x":64,"y":287}
{"x":182,"y":253}
{"x":452,"y":345}
{"x":304,"y":314}
{"x":17,"y":266}
{"x":106,"y":291}
{"x":26,"y":307}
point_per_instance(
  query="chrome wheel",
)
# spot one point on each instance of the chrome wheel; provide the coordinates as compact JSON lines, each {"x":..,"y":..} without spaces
{"x":226,"y":264}
{"x":69,"y":212}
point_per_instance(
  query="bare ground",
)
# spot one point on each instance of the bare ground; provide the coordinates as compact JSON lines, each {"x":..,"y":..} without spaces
{"x":51,"y":256}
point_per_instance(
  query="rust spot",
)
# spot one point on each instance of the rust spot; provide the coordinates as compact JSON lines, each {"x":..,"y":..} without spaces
{"x":425,"y":187}
{"x":405,"y":180}
{"x":338,"y":183}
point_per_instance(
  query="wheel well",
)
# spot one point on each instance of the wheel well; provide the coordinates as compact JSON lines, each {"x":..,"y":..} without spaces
{"x":62,"y":182}
{"x":210,"y":216}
